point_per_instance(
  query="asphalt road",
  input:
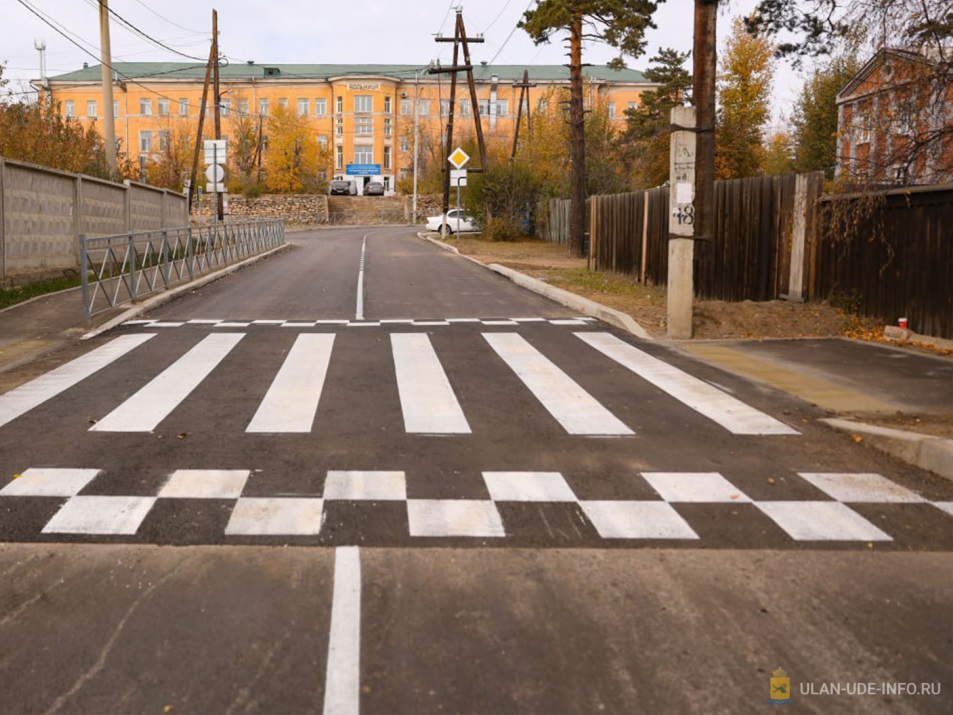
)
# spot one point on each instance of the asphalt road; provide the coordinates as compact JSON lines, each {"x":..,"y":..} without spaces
{"x":529,"y":512}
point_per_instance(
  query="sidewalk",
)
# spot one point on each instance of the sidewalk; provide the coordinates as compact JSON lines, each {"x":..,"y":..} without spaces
{"x":862,"y":385}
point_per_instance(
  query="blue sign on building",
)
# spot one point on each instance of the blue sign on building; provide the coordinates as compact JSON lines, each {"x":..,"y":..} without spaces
{"x":363,"y":169}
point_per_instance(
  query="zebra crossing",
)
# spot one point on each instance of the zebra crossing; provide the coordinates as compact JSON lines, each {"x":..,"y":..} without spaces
{"x":832,"y":516}
{"x":429,"y":401}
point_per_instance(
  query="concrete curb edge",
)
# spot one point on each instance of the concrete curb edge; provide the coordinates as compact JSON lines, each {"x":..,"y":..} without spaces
{"x":558,"y":295}
{"x":168,"y":296}
{"x":928,"y":452}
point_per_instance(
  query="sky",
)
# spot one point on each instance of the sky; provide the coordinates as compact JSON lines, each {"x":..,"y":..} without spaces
{"x":320,"y":32}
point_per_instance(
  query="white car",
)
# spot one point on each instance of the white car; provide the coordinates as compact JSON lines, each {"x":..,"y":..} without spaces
{"x":457,"y":219}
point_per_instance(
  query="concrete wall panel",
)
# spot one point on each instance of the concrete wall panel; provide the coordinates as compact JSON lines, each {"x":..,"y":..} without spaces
{"x":103,"y":209}
{"x":146,"y":208}
{"x":38,"y":221}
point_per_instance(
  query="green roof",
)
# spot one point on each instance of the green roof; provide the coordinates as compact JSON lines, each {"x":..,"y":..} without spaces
{"x":188,"y":71}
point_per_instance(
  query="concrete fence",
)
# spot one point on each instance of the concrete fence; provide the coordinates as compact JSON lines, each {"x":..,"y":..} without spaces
{"x":43,"y":212}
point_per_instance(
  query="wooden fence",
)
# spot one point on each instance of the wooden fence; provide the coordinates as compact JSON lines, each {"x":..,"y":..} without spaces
{"x":896,"y":260}
{"x":775,"y":237}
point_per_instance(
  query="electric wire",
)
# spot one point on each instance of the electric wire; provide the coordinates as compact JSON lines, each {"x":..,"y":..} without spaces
{"x":144,"y":35}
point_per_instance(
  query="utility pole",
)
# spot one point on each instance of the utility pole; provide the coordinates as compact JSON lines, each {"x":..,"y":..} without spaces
{"x":577,"y":122}
{"x":524,"y":88}
{"x":198,"y":137}
{"x":704,"y":59}
{"x":109,"y":121}
{"x":459,"y":38}
{"x":217,"y":98}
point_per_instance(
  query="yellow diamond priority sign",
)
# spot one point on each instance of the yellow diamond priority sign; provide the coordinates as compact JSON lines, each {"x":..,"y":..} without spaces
{"x":458,"y":158}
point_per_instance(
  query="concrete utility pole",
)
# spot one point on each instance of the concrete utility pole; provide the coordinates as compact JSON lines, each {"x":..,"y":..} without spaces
{"x":109,"y":121}
{"x":681,"y":223}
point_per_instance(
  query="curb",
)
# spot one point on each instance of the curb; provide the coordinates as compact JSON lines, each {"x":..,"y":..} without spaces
{"x":168,"y":296}
{"x":933,"y":454}
{"x":589,"y":307}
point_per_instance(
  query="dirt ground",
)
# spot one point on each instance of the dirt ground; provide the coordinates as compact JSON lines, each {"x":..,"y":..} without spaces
{"x":713,"y":319}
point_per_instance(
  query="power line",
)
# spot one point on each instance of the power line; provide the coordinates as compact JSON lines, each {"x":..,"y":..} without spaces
{"x":499,"y":15}
{"x":161,"y":17}
{"x":510,"y":36}
{"x":144,"y":35}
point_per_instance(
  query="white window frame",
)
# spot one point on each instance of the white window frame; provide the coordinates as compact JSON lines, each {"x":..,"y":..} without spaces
{"x":162,"y":107}
{"x":320,"y":107}
{"x":145,"y":141}
{"x":387,"y":157}
{"x":145,"y":106}
{"x":183,"y":107}
{"x":226,"y":107}
{"x":263,"y":106}
{"x":304,"y":105}
{"x":387,"y":104}
{"x":406,"y":107}
{"x":363,"y":103}
{"x":91,"y":108}
{"x":69,"y":108}
{"x":363,"y":154}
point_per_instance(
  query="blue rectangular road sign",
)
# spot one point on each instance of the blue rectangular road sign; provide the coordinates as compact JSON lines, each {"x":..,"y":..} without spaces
{"x":363,"y":169}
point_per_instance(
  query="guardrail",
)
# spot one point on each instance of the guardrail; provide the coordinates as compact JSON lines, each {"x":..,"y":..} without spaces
{"x":125,"y":267}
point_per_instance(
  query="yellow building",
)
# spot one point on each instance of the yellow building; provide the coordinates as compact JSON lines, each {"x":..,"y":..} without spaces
{"x":363,"y":115}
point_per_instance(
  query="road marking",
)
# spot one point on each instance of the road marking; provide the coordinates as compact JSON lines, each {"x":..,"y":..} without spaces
{"x":821,"y":521}
{"x":275,"y":516}
{"x":49,"y":482}
{"x":574,"y":408}
{"x":36,"y":392}
{"x":365,"y":486}
{"x":426,"y":397}
{"x":342,"y":689}
{"x":359,"y":314}
{"x":292,"y":400}
{"x":718,"y":406}
{"x":528,"y":487}
{"x":100,"y":515}
{"x":147,"y":408}
{"x":454,"y":517}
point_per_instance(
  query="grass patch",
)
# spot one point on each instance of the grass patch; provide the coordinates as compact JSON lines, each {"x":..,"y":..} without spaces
{"x":18,"y":294}
{"x":603,"y":282}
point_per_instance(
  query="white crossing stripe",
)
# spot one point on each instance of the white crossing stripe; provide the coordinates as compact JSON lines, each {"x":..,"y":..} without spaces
{"x":36,"y":392}
{"x":426,"y":397}
{"x":574,"y":408}
{"x":147,"y":408}
{"x":729,"y":412}
{"x":292,"y":400}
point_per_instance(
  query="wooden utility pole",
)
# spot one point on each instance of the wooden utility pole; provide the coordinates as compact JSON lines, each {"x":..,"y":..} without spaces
{"x":524,"y":88}
{"x":109,"y":120}
{"x":459,"y":38}
{"x":217,"y":98}
{"x":577,"y":124}
{"x":704,"y":59}
{"x":198,"y":136}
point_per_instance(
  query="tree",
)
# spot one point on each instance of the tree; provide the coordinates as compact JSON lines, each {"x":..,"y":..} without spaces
{"x":778,"y":155}
{"x":815,"y":115}
{"x":245,"y":150}
{"x":646,"y":139}
{"x":294,"y":160}
{"x":171,"y":167}
{"x":744,"y":88}
{"x":618,"y":23}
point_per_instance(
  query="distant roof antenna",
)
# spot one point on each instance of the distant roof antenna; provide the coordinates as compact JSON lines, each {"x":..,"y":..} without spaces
{"x":40,"y":46}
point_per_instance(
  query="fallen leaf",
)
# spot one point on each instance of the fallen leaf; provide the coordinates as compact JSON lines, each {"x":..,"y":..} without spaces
{"x":17,"y":476}
{"x":770,"y":480}
{"x":857,"y":438}
{"x":182,"y":435}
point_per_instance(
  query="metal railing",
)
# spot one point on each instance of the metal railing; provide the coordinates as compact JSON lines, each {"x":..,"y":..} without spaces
{"x":126,"y":267}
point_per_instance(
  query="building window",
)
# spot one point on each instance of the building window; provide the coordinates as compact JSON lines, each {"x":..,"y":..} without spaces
{"x":339,"y":128}
{"x":363,"y":104}
{"x":164,"y":140}
{"x":363,"y":154}
{"x":387,"y":105}
{"x":264,"y":142}
{"x":364,"y":126}
{"x":323,"y":141}
{"x":423,"y":107}
{"x":163,"y":107}
{"x":145,"y":107}
{"x":631,"y":106}
{"x":340,"y":105}
{"x":303,"y":106}
{"x":610,"y":107}
{"x":388,"y":128}
{"x":321,"y":107}
{"x":339,"y":161}
{"x":406,"y":107}
{"x":69,"y":108}
{"x":404,"y":144}
{"x":500,"y":108}
{"x":226,"y":107}
{"x":387,"y":157}
{"x":243,"y":106}
{"x":263,"y":106}
{"x":115,"y":107}
{"x":183,"y":107}
{"x":91,"y":108}
{"x":145,"y":142}
{"x":541,"y":107}
{"x":283,"y":102}
{"x":444,"y":107}
{"x":464,"y":107}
